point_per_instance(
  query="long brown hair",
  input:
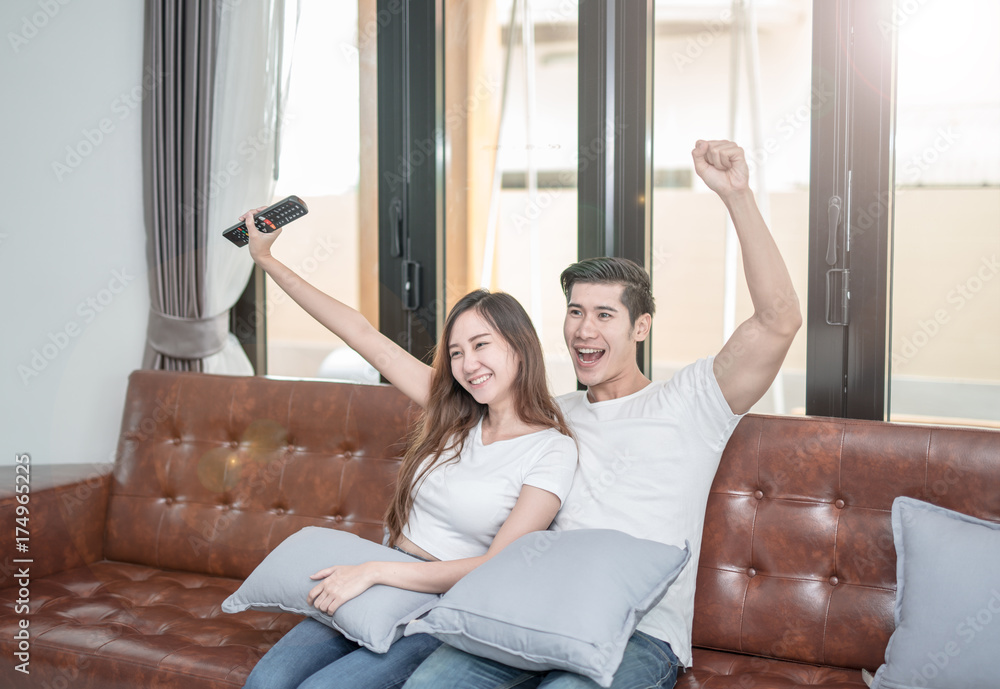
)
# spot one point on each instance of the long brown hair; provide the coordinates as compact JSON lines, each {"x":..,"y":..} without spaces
{"x":452,"y":411}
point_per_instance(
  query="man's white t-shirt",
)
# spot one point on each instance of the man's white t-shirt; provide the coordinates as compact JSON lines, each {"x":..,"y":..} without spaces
{"x":647,"y":462}
{"x":459,"y":507}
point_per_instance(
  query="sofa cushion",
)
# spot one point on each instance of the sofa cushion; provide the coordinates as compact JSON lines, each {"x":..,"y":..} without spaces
{"x":947,"y":598}
{"x":722,"y":670}
{"x":566,"y":600}
{"x":114,"y":625}
{"x":374,"y":619}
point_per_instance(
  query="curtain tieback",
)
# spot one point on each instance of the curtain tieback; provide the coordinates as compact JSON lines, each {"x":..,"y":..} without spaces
{"x":187,"y":338}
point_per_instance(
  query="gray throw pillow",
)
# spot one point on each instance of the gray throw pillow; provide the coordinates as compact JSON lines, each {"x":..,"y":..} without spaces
{"x":947,"y":600}
{"x":566,"y":600}
{"x":281,"y":582}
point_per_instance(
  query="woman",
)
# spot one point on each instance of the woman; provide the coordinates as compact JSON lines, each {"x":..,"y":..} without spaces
{"x":491,"y":460}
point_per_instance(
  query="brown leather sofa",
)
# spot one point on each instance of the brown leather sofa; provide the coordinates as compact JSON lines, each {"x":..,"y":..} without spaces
{"x":129,"y":567}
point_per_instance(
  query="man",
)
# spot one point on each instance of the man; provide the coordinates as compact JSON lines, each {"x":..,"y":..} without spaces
{"x":649,"y":451}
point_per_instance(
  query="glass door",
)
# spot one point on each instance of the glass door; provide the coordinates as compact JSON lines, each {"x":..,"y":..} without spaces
{"x":945,"y":323}
{"x":320,"y":162}
{"x":746,"y":77}
{"x":510,"y":163}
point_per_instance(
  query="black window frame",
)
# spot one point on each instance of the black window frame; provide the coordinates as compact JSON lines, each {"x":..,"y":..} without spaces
{"x":848,"y":362}
{"x":847,"y":366}
{"x":615,"y":135}
{"x":411,"y":243}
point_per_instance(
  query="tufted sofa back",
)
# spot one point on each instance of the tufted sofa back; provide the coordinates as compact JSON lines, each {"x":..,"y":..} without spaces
{"x":213,"y":472}
{"x":797,"y":558}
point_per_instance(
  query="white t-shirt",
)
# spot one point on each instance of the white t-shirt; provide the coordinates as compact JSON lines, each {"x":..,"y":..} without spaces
{"x":647,"y":462}
{"x":460,"y":506}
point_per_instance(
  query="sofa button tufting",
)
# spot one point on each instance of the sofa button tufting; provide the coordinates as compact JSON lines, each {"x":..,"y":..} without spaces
{"x":759,"y":494}
{"x":168,"y":500}
{"x":840,"y":504}
{"x":177,"y":440}
{"x":834,"y":581}
{"x":234,"y":444}
{"x":751,"y":572}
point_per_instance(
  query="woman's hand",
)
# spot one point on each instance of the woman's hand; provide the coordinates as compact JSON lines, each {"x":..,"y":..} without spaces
{"x":411,"y":375}
{"x":534,"y":511}
{"x":260,"y":242}
{"x":341,"y":584}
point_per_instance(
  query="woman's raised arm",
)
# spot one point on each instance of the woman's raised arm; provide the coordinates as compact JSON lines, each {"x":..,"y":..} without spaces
{"x":402,"y":369}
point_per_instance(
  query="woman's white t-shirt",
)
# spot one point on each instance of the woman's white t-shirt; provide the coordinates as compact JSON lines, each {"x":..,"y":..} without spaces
{"x":459,"y":507}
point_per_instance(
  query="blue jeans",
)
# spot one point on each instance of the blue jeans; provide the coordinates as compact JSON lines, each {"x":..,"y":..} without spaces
{"x":648,"y":663}
{"x":314,"y":656}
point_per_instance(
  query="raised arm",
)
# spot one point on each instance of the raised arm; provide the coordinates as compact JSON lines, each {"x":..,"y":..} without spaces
{"x":402,"y":369}
{"x":750,"y":359}
{"x":534,"y":511}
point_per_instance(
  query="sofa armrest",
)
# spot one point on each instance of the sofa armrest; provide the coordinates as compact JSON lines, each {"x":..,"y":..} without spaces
{"x":64,"y":529}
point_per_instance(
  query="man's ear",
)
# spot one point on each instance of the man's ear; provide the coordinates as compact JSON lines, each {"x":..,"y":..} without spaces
{"x":640,"y":331}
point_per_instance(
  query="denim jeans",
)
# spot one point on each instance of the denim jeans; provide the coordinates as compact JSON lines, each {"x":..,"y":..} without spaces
{"x":648,"y":663}
{"x":314,"y":656}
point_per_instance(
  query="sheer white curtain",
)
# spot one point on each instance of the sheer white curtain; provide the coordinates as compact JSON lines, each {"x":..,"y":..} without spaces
{"x":254,"y":55}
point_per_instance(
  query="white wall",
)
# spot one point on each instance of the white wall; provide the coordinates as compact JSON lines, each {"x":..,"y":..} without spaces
{"x":72,"y":244}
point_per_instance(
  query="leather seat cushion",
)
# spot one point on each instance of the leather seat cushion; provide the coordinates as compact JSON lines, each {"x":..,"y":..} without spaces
{"x":720,"y":670}
{"x":114,"y":624}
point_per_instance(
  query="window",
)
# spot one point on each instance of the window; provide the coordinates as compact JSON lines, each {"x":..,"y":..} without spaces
{"x":511,"y":128}
{"x":320,"y":162}
{"x":901,"y":124}
{"x":946,"y":224}
{"x":697,"y":272}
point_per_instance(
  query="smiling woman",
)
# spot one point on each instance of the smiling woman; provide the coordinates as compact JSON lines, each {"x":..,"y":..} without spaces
{"x":491,"y":446}
{"x":478,"y":356}
{"x":494,"y":349}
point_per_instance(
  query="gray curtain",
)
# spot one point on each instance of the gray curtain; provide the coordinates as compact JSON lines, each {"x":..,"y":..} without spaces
{"x":181,"y":40}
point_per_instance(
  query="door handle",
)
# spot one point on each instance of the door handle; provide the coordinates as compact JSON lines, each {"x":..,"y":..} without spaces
{"x":396,"y":227}
{"x":833,"y":218}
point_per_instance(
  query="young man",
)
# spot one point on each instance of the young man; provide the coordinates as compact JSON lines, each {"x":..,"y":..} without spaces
{"x":649,"y":451}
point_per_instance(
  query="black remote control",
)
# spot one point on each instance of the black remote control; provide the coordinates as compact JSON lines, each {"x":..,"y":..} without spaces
{"x":269,"y":219}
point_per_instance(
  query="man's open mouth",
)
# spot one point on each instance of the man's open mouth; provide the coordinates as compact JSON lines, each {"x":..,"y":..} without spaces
{"x":588,"y":355}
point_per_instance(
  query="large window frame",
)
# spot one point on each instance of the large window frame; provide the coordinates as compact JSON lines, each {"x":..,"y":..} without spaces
{"x":615,"y":164}
{"x":411,"y":172}
{"x":850,"y":210}
{"x":848,"y":304}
